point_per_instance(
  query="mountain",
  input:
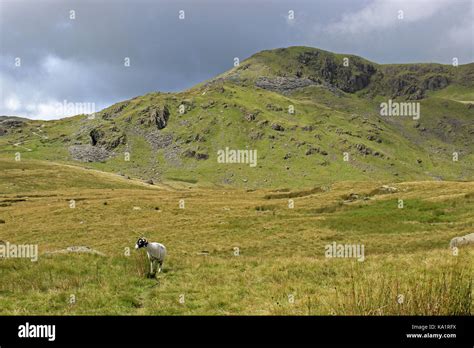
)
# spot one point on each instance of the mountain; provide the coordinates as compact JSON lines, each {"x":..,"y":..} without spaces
{"x":302,"y":109}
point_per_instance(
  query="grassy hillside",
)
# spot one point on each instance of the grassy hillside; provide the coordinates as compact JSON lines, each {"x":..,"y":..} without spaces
{"x":279,"y":267}
{"x":301,"y":108}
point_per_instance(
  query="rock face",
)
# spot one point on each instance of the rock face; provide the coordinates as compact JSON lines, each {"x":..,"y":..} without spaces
{"x":159,"y":116}
{"x":283,"y":85}
{"x":12,"y":123}
{"x":96,"y":136}
{"x":435,"y":82}
{"x":404,"y":85}
{"x":323,"y":69}
{"x":89,"y":153}
{"x":410,"y":84}
{"x":7,"y":124}
{"x":351,"y":78}
{"x":114,"y":111}
{"x":155,"y":116}
{"x":107,"y":138}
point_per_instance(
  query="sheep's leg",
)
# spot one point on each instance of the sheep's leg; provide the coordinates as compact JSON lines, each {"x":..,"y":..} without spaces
{"x":151,"y":267}
{"x":161,"y":265}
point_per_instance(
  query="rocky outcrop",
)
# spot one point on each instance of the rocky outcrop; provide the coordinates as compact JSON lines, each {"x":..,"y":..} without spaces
{"x":12,"y":123}
{"x":404,"y":85}
{"x":89,"y":153}
{"x":249,"y":117}
{"x":272,"y":107}
{"x":157,"y":116}
{"x":312,"y":150}
{"x":107,"y":138}
{"x":364,"y":150}
{"x":383,"y":190}
{"x":434,"y":83}
{"x":160,"y":116}
{"x":277,"y":127}
{"x":114,"y":111}
{"x":115,"y":141}
{"x":96,"y":136}
{"x":283,"y":85}
{"x":322,"y":69}
{"x":411,"y":84}
{"x":8,"y":124}
{"x":321,"y":66}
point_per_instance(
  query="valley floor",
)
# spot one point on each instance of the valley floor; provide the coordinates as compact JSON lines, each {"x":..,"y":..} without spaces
{"x":231,"y":251}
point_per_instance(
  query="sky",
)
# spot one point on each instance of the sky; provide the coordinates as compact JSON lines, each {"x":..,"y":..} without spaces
{"x":55,"y":52}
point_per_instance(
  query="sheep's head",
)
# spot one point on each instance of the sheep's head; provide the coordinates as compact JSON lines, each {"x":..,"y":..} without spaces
{"x":141,"y":243}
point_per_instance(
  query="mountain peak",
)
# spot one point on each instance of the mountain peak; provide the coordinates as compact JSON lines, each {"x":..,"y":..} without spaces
{"x":286,"y":69}
{"x":299,"y":108}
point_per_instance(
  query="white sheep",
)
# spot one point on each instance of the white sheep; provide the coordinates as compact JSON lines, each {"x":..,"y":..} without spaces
{"x":156,"y":253}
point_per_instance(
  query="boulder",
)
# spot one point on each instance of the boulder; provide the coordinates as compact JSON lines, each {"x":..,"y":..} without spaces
{"x":457,"y":242}
{"x":196,"y":155}
{"x":383,"y":190}
{"x":277,"y":127}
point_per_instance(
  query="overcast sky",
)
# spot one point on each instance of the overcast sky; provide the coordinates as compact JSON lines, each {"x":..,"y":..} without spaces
{"x":81,"y":60}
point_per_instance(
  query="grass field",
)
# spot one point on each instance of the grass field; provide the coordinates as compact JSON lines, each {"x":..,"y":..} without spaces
{"x":231,"y":251}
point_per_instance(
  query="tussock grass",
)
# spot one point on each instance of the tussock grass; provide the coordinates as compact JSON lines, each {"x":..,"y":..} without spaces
{"x":445,"y":290}
{"x":281,"y":253}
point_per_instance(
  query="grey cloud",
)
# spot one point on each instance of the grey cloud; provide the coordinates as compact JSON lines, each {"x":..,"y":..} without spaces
{"x":169,"y":54}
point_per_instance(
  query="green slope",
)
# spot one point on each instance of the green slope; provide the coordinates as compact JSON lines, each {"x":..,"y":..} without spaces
{"x":336,"y":111}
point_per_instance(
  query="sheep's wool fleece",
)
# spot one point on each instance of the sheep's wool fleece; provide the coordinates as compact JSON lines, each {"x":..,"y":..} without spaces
{"x":156,"y":251}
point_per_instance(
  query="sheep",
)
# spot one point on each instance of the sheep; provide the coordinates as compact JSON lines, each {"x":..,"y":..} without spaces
{"x":156,"y":253}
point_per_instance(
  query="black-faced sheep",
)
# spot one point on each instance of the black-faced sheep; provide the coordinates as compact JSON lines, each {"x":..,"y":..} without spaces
{"x":156,"y":253}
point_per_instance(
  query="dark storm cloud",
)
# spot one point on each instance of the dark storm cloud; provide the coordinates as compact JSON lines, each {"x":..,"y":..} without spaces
{"x":81,"y":60}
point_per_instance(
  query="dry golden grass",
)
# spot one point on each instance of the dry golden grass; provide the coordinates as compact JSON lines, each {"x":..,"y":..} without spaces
{"x":281,"y":266}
